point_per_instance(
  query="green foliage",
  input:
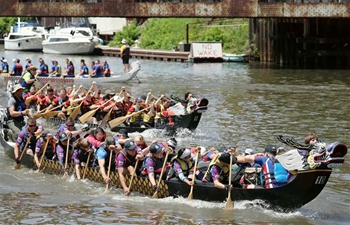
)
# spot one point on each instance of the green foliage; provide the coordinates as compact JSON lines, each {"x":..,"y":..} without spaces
{"x":161,"y":33}
{"x":7,"y":22}
{"x":130,"y":33}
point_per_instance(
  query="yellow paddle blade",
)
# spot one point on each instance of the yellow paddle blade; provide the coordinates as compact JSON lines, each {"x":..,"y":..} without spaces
{"x":50,"y":114}
{"x":29,"y":99}
{"x":117,"y":121}
{"x":75,"y":113}
{"x":37,"y":115}
{"x":87,"y":116}
{"x":18,"y":166}
{"x":229,"y":205}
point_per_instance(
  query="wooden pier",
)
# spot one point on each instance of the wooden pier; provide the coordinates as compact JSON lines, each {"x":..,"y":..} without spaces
{"x":139,"y":53}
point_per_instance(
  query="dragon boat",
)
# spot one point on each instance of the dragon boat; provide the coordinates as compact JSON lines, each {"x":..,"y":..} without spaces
{"x":308,"y":177}
{"x":135,"y":68}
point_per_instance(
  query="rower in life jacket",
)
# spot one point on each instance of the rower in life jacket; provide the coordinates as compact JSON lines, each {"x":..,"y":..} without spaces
{"x":182,"y":167}
{"x":153,"y":164}
{"x":4,"y":66}
{"x":17,"y":68}
{"x":46,"y":139}
{"x":270,"y":168}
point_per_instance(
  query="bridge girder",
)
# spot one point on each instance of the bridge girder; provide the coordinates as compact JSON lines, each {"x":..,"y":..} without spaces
{"x":129,"y":8}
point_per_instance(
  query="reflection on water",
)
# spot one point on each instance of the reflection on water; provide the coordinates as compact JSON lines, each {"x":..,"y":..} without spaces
{"x":248,"y":105}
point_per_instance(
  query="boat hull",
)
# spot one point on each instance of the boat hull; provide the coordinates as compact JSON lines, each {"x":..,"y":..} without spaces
{"x":73,"y":47}
{"x":303,"y":186}
{"x":24,"y":44}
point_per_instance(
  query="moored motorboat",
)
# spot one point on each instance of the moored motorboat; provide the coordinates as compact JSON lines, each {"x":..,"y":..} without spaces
{"x":25,"y":36}
{"x":70,"y":39}
{"x":303,"y":185}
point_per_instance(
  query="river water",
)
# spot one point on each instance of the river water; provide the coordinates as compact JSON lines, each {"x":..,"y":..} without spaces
{"x":249,"y":105}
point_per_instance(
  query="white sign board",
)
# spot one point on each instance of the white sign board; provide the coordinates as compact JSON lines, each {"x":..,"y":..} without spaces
{"x":206,"y":50}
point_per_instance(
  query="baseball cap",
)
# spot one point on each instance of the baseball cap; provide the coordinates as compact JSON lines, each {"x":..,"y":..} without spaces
{"x":130,"y":145}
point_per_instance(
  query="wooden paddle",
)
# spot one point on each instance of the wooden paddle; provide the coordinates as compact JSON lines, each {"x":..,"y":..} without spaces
{"x":155,"y":195}
{"x":66,"y":163}
{"x":133,"y":174}
{"x":18,"y":166}
{"x":115,"y":122}
{"x":109,"y":171}
{"x":51,"y":112}
{"x":229,"y":204}
{"x":87,"y":165}
{"x":190,"y":195}
{"x":91,"y":113}
{"x":30,"y":98}
{"x":77,"y":110}
{"x":38,"y":114}
{"x":43,"y":155}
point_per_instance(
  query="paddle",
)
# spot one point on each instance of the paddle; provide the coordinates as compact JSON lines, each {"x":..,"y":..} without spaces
{"x":18,"y":165}
{"x":190,"y":195}
{"x":66,"y":163}
{"x":30,"y":98}
{"x":109,"y":171}
{"x":155,"y":195}
{"x":44,"y":151}
{"x":229,"y":204}
{"x":90,"y":114}
{"x":115,"y":122}
{"x":77,"y":110}
{"x":38,"y":114}
{"x":87,"y":165}
{"x":52,"y":113}
{"x":133,"y":174}
{"x":106,"y":118}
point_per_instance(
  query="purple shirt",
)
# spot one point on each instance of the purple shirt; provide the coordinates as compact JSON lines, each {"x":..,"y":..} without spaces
{"x":22,"y":136}
{"x":215,"y":172}
{"x":122,"y":162}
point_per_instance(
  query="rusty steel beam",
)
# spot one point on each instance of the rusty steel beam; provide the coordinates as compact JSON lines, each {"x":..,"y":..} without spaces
{"x":178,"y":8}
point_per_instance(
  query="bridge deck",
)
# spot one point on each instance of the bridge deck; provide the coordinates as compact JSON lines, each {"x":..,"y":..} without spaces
{"x":177,"y":8}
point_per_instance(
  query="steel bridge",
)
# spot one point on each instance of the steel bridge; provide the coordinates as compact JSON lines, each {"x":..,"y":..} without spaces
{"x":178,"y":8}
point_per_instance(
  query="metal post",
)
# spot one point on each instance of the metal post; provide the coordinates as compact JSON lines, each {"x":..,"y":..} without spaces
{"x":187,"y":28}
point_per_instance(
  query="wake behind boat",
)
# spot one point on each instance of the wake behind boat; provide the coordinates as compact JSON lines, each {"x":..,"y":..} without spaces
{"x":135,"y":68}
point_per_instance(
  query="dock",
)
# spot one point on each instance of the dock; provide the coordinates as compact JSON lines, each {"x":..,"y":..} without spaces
{"x":139,"y":53}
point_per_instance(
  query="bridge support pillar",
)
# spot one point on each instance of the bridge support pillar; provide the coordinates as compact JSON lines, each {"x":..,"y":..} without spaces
{"x":302,"y":43}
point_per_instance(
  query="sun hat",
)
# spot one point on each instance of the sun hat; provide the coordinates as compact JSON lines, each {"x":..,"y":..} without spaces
{"x":172,"y":143}
{"x":123,"y":41}
{"x":16,"y":88}
{"x":130,"y":145}
{"x":31,"y":68}
{"x":249,"y":151}
{"x":203,"y":150}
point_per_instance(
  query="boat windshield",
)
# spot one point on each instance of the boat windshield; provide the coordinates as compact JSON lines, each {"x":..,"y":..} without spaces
{"x":26,"y":24}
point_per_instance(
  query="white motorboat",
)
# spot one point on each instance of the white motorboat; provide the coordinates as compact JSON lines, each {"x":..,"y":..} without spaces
{"x":70,"y":40}
{"x":25,"y":36}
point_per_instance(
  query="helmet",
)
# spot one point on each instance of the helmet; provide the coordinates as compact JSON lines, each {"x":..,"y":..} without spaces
{"x":62,"y":137}
{"x":172,"y":143}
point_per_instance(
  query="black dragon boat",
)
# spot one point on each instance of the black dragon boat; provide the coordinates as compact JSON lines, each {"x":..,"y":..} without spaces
{"x":182,"y":113}
{"x":303,"y":186}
